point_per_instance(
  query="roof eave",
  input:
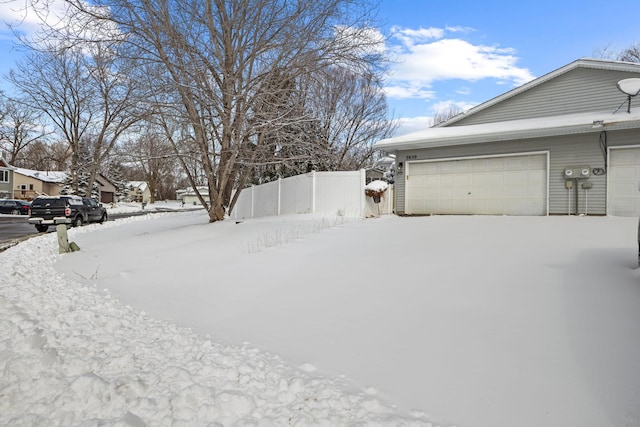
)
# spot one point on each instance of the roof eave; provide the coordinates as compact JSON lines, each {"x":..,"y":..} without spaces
{"x":512,"y":135}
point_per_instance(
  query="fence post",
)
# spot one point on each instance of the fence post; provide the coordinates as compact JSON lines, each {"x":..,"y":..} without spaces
{"x":279,"y":195}
{"x":363,"y":197}
{"x":252,"y":187}
{"x":313,"y":191}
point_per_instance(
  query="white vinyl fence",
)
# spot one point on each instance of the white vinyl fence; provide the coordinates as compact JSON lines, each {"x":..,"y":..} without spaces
{"x":334,"y":193}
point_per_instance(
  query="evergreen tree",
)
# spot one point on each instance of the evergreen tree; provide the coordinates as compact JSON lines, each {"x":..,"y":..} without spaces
{"x":116,"y":176}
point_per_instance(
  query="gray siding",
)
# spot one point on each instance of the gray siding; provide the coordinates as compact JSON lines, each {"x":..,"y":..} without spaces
{"x":7,"y":187}
{"x":574,"y":150}
{"x":576,"y":91}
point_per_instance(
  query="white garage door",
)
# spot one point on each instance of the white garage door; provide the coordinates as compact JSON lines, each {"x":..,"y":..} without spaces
{"x":506,"y":185}
{"x":624,"y":175}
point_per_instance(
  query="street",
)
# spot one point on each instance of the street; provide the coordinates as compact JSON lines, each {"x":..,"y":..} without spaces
{"x":14,"y":227}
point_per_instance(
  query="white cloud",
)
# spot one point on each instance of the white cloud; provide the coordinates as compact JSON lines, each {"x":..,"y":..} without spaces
{"x":413,"y":124}
{"x":425,"y":56}
{"x":408,"y":125}
{"x":452,"y":105}
{"x":27,"y":19}
{"x":407,"y":90}
{"x":409,"y":36}
{"x":458,"y":29}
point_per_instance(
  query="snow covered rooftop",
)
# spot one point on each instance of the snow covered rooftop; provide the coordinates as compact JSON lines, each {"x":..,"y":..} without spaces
{"x":512,"y":130}
{"x":45,"y":176}
{"x":140,"y":185}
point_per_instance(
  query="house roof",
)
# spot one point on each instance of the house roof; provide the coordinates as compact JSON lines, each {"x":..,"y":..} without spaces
{"x":5,"y":164}
{"x":598,"y":64}
{"x":44,"y":176}
{"x":140,"y":185}
{"x":203,"y":190}
{"x":569,"y":124}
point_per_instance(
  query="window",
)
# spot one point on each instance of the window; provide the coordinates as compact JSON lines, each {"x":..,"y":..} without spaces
{"x":4,"y":176}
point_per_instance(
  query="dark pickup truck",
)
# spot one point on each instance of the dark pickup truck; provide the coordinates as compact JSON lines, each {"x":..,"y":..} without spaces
{"x":70,"y":210}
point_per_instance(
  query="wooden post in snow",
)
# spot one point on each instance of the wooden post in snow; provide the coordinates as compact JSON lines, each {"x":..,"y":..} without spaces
{"x":63,"y":239}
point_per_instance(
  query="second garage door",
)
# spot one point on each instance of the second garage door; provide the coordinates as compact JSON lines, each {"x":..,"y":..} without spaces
{"x":624,"y":175}
{"x":504,"y":185}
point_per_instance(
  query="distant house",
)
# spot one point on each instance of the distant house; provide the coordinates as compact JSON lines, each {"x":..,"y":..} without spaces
{"x":107,"y":189}
{"x":189,"y":197}
{"x":28,"y":183}
{"x":381,"y":170}
{"x":6,"y":179}
{"x":138,"y":191}
{"x":567,"y":142}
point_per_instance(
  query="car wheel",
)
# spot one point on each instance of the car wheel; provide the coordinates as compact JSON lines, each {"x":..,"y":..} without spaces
{"x":103,"y":219}
{"x":77,"y":222}
{"x":42,"y":228}
{"x":15,"y":212}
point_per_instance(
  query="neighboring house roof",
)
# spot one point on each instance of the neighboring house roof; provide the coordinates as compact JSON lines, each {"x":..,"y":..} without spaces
{"x":5,"y":164}
{"x":599,"y":64}
{"x":44,"y":176}
{"x":140,"y":185}
{"x":512,"y":130}
{"x":385,"y":162}
{"x":100,"y":178}
{"x":203,"y":190}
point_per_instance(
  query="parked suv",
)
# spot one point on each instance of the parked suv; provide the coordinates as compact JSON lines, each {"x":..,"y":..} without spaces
{"x":14,"y":207}
{"x":70,"y":210}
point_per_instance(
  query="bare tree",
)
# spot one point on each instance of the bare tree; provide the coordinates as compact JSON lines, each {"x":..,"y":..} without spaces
{"x":352,"y":113}
{"x":154,"y":161}
{"x":86,"y":93}
{"x":444,"y":114}
{"x":631,"y":54}
{"x":19,"y":127}
{"x":45,"y":156}
{"x":3,"y":108}
{"x":345,"y":113}
{"x":214,"y":57}
{"x":56,"y":85}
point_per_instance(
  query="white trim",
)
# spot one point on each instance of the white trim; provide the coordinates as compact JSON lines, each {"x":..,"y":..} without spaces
{"x":546,"y":153}
{"x":608,"y":192}
{"x":482,"y":156}
{"x":511,"y":130}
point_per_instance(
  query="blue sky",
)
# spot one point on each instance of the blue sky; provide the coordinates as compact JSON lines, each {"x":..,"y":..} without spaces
{"x":463,"y":53}
{"x":467,"y":52}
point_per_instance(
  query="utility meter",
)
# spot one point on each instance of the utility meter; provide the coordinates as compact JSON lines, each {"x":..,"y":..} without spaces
{"x":577,"y":172}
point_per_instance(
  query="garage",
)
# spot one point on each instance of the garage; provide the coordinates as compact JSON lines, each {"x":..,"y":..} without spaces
{"x":488,"y":185}
{"x":624,"y":176}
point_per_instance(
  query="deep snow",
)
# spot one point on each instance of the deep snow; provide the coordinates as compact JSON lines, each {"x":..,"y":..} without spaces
{"x":469,"y":321}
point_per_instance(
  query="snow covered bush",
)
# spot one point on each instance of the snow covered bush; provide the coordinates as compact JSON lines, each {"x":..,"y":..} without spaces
{"x":375,"y":190}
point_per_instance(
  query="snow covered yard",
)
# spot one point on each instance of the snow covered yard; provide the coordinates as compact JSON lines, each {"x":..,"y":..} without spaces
{"x":468,"y":321}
